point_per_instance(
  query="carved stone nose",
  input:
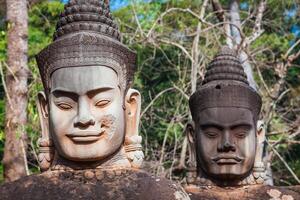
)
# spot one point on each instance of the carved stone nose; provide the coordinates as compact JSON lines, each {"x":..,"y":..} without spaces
{"x":84,"y":123}
{"x":84,"y":116}
{"x":226,"y":147}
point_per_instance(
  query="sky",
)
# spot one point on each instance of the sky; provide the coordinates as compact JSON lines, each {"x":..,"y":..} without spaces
{"x":114,"y":4}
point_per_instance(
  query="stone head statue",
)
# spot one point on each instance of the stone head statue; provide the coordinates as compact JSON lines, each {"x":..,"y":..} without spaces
{"x":89,"y":114}
{"x":224,"y":136}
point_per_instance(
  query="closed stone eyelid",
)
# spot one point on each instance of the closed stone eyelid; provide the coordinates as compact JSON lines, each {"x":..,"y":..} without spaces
{"x":108,"y":102}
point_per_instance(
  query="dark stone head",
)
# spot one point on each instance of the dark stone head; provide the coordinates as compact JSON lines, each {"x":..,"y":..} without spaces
{"x":225,"y":110}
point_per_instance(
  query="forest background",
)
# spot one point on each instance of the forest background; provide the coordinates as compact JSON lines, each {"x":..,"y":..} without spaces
{"x":175,"y":40}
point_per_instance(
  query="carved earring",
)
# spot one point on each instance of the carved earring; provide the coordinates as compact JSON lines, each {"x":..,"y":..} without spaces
{"x":259,"y":169}
{"x":46,"y":147}
{"x":191,"y":178}
{"x":132,"y":144}
{"x":46,"y":153}
{"x":133,"y":149}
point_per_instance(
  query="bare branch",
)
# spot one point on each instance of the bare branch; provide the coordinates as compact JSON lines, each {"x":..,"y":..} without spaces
{"x":137,"y":19}
{"x":195,"y":49}
{"x":155,"y":98}
{"x":285,"y":163}
{"x":187,"y":10}
{"x":257,"y":30}
{"x":219,"y":10}
{"x":291,"y":48}
{"x":239,"y":40}
{"x":235,"y":19}
{"x":106,"y":2}
{"x":181,"y":91}
{"x":4,"y":84}
{"x":222,"y":18}
{"x":179,"y":46}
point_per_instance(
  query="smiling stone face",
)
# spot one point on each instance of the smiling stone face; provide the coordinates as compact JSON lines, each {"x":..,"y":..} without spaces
{"x":89,"y":114}
{"x":86,"y":112}
{"x":225,"y":142}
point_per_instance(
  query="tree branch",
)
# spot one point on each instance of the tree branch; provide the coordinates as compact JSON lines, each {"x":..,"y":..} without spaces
{"x":257,"y":30}
{"x":217,"y":7}
{"x":285,"y":163}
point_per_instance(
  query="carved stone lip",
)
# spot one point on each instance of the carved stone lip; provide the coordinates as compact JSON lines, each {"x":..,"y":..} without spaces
{"x":227,"y":159}
{"x":85,"y":136}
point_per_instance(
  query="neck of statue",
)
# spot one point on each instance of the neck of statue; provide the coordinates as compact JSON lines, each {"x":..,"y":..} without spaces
{"x":255,"y":177}
{"x":116,"y":160}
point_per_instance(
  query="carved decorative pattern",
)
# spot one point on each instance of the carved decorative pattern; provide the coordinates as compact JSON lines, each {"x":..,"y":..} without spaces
{"x":46,"y":153}
{"x":257,"y":177}
{"x":87,"y":15}
{"x":225,"y":66}
{"x":225,"y":84}
{"x":86,"y":35}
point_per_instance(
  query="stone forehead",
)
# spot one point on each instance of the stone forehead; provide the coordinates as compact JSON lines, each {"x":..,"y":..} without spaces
{"x":82,"y":79}
{"x":225,"y":116}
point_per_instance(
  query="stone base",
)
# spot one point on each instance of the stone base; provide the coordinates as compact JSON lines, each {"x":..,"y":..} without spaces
{"x":246,"y":192}
{"x":92,"y":184}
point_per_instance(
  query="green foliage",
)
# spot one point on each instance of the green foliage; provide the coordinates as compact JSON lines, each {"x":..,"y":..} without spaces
{"x":2,"y":44}
{"x":293,"y":76}
{"x":163,"y":71}
{"x":42,"y":22}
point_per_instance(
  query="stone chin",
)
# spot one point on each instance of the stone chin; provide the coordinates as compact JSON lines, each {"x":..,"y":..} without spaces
{"x":88,"y":151}
{"x":228,"y":172}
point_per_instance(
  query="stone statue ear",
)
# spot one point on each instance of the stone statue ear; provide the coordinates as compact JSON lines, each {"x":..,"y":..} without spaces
{"x":260,"y":132}
{"x":42,"y":105}
{"x":192,"y":164}
{"x":190,"y":132}
{"x":259,"y":166}
{"x":43,"y":113}
{"x":46,"y":149}
{"x":133,"y":141}
{"x":260,"y":142}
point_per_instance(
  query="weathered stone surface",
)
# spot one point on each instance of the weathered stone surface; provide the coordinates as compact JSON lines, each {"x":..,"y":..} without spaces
{"x":226,"y":139}
{"x":247,"y":192}
{"x":92,"y":184}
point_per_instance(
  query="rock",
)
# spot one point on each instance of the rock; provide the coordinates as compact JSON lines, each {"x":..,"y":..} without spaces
{"x":249,"y":193}
{"x":92,"y":184}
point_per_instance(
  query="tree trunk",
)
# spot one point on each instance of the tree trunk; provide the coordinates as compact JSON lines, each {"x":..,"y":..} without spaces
{"x":3,"y":6}
{"x":234,"y":13}
{"x":15,"y":161}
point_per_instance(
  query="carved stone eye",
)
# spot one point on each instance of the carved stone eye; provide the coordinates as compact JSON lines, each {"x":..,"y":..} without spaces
{"x":211,"y":134}
{"x":241,"y":134}
{"x":102,"y":103}
{"x":64,"y":106}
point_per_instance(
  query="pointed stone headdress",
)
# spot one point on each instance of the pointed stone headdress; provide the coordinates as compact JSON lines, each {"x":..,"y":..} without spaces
{"x":225,"y":85}
{"x":86,"y":35}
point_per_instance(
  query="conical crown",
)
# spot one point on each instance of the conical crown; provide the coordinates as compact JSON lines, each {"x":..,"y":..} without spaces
{"x":225,"y":85}
{"x":225,"y":66}
{"x":86,"y":35}
{"x":86,"y":15}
